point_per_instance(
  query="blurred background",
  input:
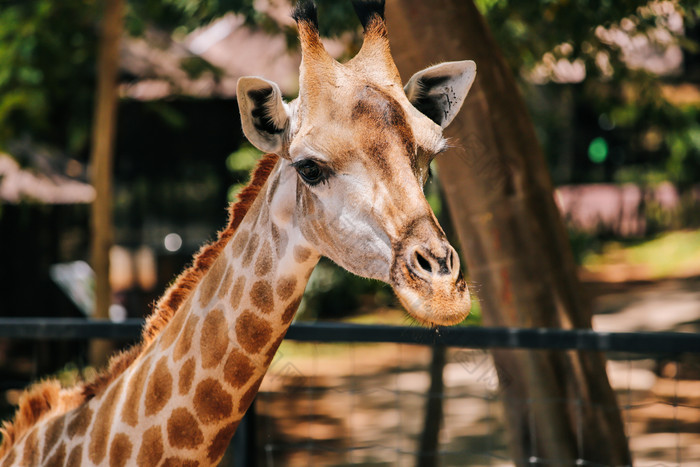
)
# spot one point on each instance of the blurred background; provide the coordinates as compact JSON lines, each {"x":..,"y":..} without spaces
{"x":612,"y":89}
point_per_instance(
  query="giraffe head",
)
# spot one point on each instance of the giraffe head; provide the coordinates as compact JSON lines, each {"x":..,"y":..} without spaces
{"x":355,"y":148}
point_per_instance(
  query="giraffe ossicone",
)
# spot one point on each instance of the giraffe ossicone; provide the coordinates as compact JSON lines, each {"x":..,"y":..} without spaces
{"x":344,"y":179}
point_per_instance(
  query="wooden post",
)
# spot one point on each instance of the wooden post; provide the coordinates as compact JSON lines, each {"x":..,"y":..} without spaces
{"x":101,"y":162}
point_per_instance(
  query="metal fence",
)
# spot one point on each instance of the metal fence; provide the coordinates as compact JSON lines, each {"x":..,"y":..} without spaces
{"x":465,"y":337}
{"x":306,"y":414}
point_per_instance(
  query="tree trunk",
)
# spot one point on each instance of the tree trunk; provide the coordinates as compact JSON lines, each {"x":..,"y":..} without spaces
{"x":560,"y":406}
{"x":101,"y":162}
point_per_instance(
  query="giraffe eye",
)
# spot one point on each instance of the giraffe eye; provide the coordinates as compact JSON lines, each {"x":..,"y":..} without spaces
{"x":310,"y":171}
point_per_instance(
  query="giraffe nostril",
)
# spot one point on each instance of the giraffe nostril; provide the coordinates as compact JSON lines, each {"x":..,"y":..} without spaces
{"x":424,"y":263}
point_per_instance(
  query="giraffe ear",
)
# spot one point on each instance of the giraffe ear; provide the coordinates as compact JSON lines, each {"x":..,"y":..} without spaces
{"x":439,"y":91}
{"x":264,"y":115}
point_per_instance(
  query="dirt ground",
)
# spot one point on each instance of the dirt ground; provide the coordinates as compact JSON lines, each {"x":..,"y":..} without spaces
{"x":357,"y":404}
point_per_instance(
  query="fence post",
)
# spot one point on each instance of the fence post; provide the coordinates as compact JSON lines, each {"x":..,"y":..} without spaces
{"x":429,"y":440}
{"x":245,"y":440}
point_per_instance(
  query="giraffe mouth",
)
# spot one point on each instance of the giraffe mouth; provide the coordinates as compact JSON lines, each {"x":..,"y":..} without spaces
{"x":434,"y":301}
{"x":427,"y":277}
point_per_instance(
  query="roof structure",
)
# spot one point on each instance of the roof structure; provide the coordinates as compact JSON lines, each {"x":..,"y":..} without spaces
{"x":18,"y":184}
{"x":221,"y":52}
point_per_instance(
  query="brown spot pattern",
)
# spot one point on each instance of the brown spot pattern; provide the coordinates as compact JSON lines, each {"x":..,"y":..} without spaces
{"x":58,"y":457}
{"x":172,"y":329}
{"x":263,"y":264}
{"x":273,"y":188}
{"x":218,"y":445}
{"x":211,"y":401}
{"x":264,"y":216}
{"x":249,"y":395}
{"x":130,"y":412}
{"x":282,"y":243}
{"x":160,"y":387}
{"x":186,"y":375}
{"x":250,"y":250}
{"x":275,"y":345}
{"x":10,"y":458}
{"x":290,"y":311}
{"x":185,"y":341}
{"x":240,"y":243}
{"x":183,"y":430}
{"x":310,"y":235}
{"x":237,"y":293}
{"x":151,"y":448}
{"x":103,"y":423}
{"x":286,"y":287}
{"x":308,"y":204}
{"x":275,"y":232}
{"x":179,"y":462}
{"x":53,"y":433}
{"x":381,"y":109}
{"x":226,"y":283}
{"x":238,"y":369}
{"x":120,"y":451}
{"x":79,"y":421}
{"x":213,"y":341}
{"x":252,"y":332}
{"x":301,"y":254}
{"x":210,"y":284}
{"x":76,"y":454}
{"x":261,"y":296}
{"x":30,"y":456}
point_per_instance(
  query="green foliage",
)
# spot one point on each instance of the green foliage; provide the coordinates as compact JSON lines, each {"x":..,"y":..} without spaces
{"x":583,"y":244}
{"x":475,"y":315}
{"x":48,"y":54}
{"x":531,"y":29}
{"x":667,"y":255}
{"x":335,"y":18}
{"x":628,"y":101}
{"x":183,"y":16}
{"x":333,"y":292}
{"x":47,"y":60}
{"x":196,"y":66}
{"x":240,"y":163}
{"x":47,"y":78}
{"x":432,"y":191}
{"x":683,"y":142}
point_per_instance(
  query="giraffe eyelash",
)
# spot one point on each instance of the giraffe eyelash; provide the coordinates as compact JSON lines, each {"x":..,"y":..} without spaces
{"x":312,"y":172}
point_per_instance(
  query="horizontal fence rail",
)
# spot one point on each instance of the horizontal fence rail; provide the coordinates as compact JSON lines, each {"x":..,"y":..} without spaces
{"x":245,"y":448}
{"x":466,"y":337}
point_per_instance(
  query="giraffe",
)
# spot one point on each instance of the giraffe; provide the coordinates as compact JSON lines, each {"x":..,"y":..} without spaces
{"x":343,"y":179}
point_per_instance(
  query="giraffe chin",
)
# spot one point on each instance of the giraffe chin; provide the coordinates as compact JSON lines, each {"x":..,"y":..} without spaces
{"x":443,"y":305}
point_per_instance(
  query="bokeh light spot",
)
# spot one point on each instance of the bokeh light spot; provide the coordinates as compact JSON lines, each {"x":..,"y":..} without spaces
{"x":172,"y":242}
{"x":598,"y":150}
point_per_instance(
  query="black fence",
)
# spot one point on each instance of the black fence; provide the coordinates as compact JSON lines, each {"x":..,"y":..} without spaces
{"x":467,"y":345}
{"x":464,"y":337}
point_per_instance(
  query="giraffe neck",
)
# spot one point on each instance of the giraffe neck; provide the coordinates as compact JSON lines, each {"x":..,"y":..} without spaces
{"x":182,"y":399}
{"x":229,"y":330}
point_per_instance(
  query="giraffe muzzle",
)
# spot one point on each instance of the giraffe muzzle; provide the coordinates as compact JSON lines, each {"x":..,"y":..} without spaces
{"x":430,"y":265}
{"x":429,"y":282}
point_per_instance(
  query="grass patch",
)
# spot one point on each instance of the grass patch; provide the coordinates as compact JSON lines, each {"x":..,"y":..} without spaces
{"x":671,"y":254}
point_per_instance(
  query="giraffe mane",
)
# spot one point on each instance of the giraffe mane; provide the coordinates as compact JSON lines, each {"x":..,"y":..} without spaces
{"x":48,"y":398}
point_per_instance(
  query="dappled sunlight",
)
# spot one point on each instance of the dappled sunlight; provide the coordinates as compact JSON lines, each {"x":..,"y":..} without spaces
{"x":332,"y":403}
